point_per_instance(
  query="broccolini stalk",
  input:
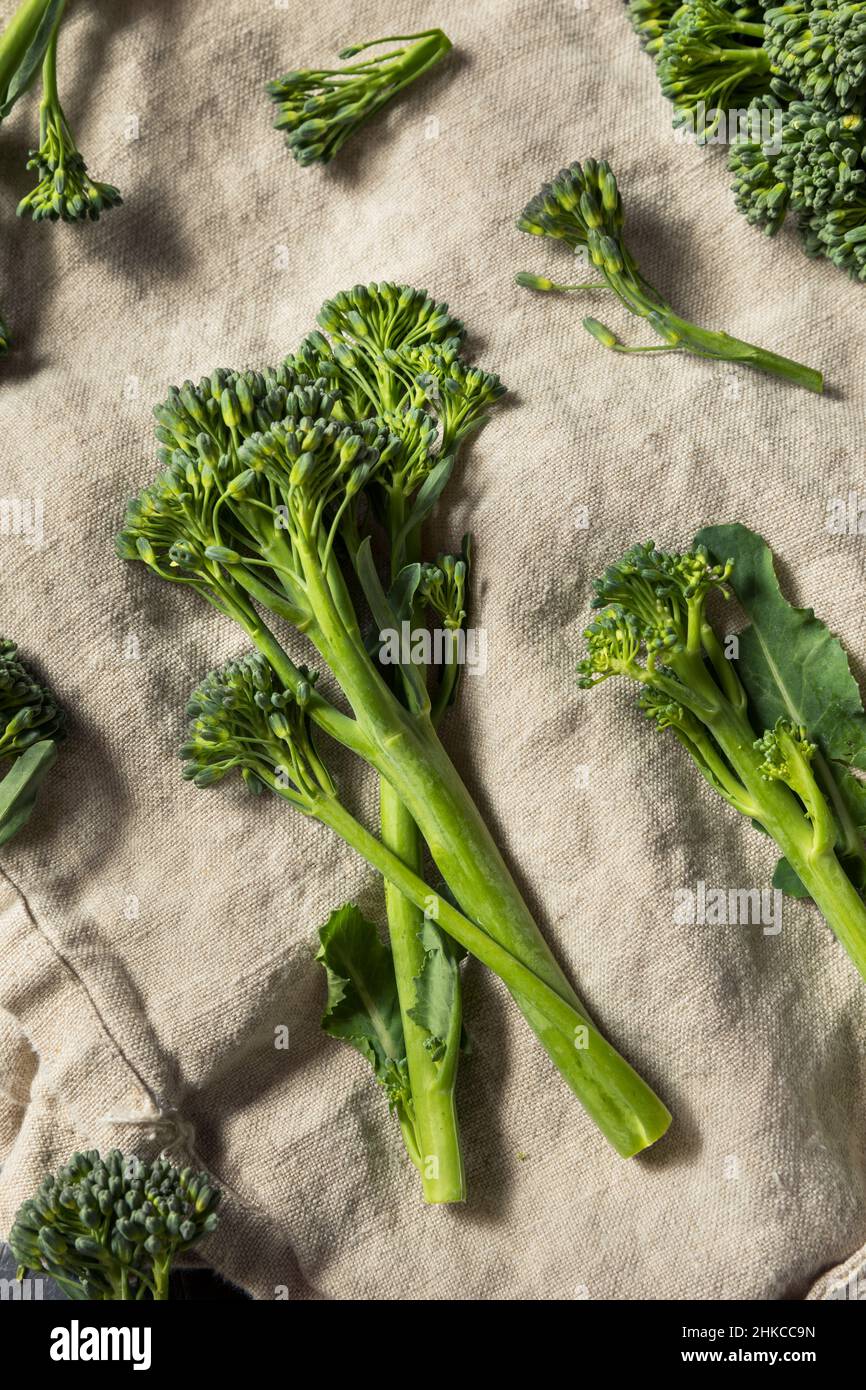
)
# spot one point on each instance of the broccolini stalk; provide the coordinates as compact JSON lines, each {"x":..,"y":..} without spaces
{"x":244,"y":720}
{"x":31,"y":725}
{"x":108,"y":1229}
{"x":65,"y":191}
{"x":320,"y":108}
{"x":583,"y":208}
{"x":256,"y":496}
{"x":652,"y":628}
{"x":396,"y":354}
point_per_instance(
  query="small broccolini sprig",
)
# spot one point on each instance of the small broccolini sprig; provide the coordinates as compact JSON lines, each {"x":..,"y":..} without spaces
{"x":108,"y":1229}
{"x":582,"y":206}
{"x":320,"y":108}
{"x":31,"y":725}
{"x":64,"y":190}
{"x":652,"y":628}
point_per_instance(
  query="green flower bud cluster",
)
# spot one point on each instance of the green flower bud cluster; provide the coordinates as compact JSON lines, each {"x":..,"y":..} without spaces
{"x":64,"y":191}
{"x":783,"y":748}
{"x":659,"y":590}
{"x":242,"y":719}
{"x":109,"y":1228}
{"x":28,"y":713}
{"x":816,"y":170}
{"x":443,"y":587}
{"x":650,"y":20}
{"x":820,"y":50}
{"x":4,"y":336}
{"x":319,"y":108}
{"x":613,"y":643}
{"x":380,"y":316}
{"x":710,"y":56}
{"x":582,"y":207}
{"x":314,"y":462}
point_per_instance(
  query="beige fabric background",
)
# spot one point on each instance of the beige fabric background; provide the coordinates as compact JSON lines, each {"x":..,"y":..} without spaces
{"x":152,"y":938}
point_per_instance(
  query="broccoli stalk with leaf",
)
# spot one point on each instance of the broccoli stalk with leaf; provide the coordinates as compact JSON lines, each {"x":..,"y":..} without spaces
{"x":791,"y":680}
{"x":583,"y":208}
{"x":320,"y":108}
{"x":31,"y":725}
{"x":108,"y":1229}
{"x":259,"y":510}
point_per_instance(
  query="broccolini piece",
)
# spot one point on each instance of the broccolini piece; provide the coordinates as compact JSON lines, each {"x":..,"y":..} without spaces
{"x":320,"y":108}
{"x":109,"y":1228}
{"x":583,"y":208}
{"x":711,"y":60}
{"x":652,"y":628}
{"x":31,"y":725}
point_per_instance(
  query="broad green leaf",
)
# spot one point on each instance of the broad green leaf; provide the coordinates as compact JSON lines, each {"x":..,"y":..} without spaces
{"x":437,"y":990}
{"x":363,"y":1008}
{"x":790,"y":664}
{"x":20,"y":787}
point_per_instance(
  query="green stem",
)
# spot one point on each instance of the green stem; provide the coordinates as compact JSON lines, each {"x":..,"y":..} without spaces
{"x":622,"y":1105}
{"x":432,"y":1083}
{"x":645,"y":302}
{"x":782,"y":816}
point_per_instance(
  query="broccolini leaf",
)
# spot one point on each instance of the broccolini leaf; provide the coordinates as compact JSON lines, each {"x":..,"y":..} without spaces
{"x":437,"y":990}
{"x":20,"y":787}
{"x":363,"y":1008}
{"x":788,"y":881}
{"x":791,"y":665}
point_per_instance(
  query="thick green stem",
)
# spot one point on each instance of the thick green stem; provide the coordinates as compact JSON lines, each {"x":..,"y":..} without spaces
{"x":432,"y":1082}
{"x":781,"y":814}
{"x":622,"y":1105}
{"x":403,"y":748}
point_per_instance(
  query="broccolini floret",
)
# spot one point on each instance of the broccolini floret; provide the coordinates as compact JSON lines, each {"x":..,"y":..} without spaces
{"x":109,"y":1228}
{"x":583,"y":207}
{"x":652,"y":628}
{"x":320,"y":108}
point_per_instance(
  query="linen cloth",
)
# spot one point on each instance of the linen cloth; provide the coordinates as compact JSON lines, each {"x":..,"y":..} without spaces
{"x":154,"y":939}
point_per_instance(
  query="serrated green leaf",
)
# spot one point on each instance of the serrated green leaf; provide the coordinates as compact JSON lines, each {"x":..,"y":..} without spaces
{"x":790,"y":664}
{"x":362,"y":1007}
{"x":437,"y":1006}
